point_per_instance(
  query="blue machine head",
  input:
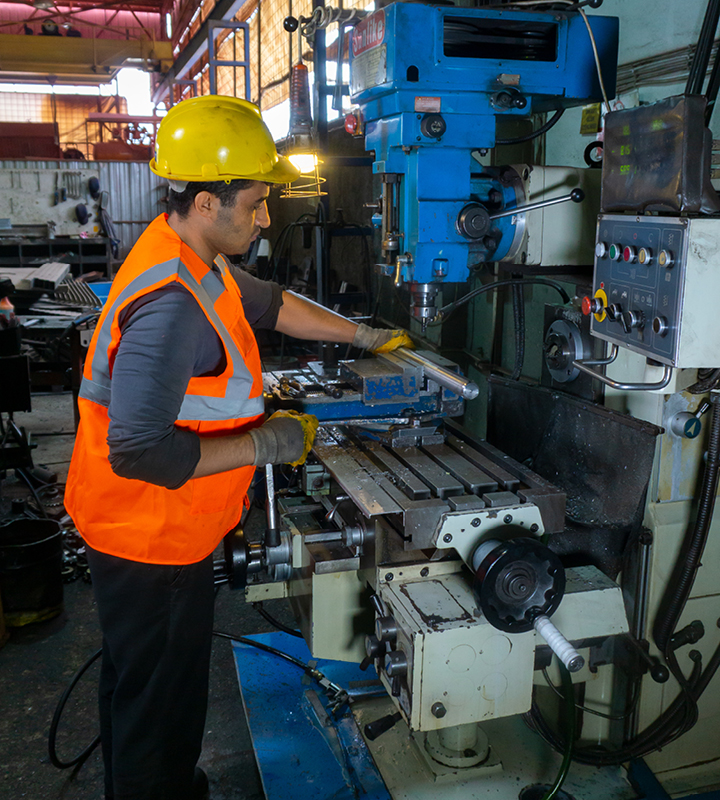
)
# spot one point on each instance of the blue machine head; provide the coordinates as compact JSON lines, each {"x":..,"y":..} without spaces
{"x":430,"y":82}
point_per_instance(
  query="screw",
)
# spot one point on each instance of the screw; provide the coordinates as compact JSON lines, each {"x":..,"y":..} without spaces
{"x":447,"y":538}
{"x":438,"y":710}
{"x":534,"y":528}
{"x":476,"y":522}
{"x":507,"y":519}
{"x":389,"y":576}
{"x":424,"y":572}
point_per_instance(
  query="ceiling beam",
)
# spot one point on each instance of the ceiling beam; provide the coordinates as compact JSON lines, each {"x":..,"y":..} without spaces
{"x":68,"y":58}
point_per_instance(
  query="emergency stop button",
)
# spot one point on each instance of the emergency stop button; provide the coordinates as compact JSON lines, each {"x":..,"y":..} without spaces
{"x":591,"y":305}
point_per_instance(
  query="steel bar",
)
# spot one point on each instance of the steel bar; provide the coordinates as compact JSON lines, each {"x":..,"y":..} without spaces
{"x":458,"y":384}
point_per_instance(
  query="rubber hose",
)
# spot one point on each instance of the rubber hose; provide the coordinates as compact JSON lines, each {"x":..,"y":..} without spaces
{"x":539,"y":132}
{"x":519,"y":325}
{"x":688,"y":563}
{"x":52,"y":736}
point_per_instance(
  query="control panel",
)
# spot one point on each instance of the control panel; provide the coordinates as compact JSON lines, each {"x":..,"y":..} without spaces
{"x":653,"y":287}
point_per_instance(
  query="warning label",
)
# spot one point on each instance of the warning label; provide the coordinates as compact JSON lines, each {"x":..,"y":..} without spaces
{"x":368,"y":33}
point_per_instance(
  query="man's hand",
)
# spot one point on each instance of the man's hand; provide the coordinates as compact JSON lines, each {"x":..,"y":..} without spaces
{"x":286,"y":438}
{"x":379,"y":340}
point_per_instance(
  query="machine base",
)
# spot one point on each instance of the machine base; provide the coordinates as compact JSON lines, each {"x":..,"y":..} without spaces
{"x":302,"y":754}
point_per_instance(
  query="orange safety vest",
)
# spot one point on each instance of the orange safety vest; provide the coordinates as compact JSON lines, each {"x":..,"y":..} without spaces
{"x":142,"y":521}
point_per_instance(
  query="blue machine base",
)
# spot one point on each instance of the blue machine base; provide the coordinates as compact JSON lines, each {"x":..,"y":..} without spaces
{"x":302,"y":751}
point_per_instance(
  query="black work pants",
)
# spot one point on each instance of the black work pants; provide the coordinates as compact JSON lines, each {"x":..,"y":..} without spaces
{"x":157,"y":630}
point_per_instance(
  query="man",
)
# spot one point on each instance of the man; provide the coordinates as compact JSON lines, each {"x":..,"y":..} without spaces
{"x":172,"y":428}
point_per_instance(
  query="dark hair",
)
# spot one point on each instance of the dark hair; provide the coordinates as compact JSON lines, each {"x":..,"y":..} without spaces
{"x":180,"y":202}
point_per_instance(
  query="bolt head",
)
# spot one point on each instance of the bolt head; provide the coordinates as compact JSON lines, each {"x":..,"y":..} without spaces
{"x":507,"y":519}
{"x":438,"y":710}
{"x":534,"y":528}
{"x":424,"y":572}
{"x":476,"y":522}
{"x":447,"y":538}
{"x":389,"y":576}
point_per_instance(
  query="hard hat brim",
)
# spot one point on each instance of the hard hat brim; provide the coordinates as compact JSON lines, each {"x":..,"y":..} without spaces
{"x":283,"y":171}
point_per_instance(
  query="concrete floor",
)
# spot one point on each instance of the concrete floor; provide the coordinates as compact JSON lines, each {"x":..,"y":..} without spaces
{"x":39,"y":659}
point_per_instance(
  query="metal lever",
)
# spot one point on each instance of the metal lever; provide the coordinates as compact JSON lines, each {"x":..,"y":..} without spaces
{"x":625,"y":387}
{"x":272,"y":534}
{"x":576,"y":196}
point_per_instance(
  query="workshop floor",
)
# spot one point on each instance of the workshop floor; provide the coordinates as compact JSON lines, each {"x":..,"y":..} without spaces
{"x":38,"y":661}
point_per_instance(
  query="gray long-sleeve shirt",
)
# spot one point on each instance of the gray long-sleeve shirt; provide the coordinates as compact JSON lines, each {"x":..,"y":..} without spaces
{"x":166,"y":340}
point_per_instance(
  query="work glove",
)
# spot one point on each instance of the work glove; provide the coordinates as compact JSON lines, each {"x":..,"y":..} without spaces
{"x":285,"y":438}
{"x":380,"y":340}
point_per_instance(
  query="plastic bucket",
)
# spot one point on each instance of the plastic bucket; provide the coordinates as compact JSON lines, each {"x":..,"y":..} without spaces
{"x":30,"y":570}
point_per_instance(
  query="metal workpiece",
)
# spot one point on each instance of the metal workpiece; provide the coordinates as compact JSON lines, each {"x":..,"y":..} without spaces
{"x":433,"y":371}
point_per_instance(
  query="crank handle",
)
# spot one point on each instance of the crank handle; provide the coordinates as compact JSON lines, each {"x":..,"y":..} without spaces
{"x":576,"y":196}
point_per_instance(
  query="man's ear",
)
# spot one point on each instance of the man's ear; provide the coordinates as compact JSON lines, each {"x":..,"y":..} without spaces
{"x":206,"y":204}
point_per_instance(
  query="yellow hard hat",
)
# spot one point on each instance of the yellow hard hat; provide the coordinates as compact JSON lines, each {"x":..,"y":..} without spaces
{"x":215,"y":138}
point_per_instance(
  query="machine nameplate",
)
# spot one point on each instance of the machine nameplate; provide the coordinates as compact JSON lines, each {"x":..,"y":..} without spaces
{"x":369,"y":69}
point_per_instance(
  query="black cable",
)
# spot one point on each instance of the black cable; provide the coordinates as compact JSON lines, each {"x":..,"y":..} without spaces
{"x":534,"y":134}
{"x":586,"y":710}
{"x":448,"y":309}
{"x":673,"y":602}
{"x":266,"y":648}
{"x":52,"y":735}
{"x":275,"y":622}
{"x":519,"y":330}
{"x":26,"y":478}
{"x":570,"y":728}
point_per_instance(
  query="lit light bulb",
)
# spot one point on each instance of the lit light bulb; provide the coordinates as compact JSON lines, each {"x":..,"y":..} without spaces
{"x":305,"y":162}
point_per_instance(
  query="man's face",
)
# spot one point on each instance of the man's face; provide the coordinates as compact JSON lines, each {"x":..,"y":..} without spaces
{"x":235,"y":227}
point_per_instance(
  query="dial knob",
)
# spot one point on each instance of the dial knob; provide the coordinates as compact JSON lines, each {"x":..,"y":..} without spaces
{"x":386,"y":629}
{"x":661,"y":326}
{"x":396,"y":664}
{"x":686,"y":425}
{"x":645,"y":256}
{"x":630,"y":254}
{"x":666,"y":259}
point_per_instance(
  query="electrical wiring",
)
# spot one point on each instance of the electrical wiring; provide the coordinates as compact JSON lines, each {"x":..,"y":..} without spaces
{"x":275,"y":622}
{"x":597,"y":58}
{"x":448,"y":309}
{"x":570,"y":732}
{"x":534,"y":134}
{"x":52,"y":735}
{"x":337,"y":694}
{"x":594,"y":712}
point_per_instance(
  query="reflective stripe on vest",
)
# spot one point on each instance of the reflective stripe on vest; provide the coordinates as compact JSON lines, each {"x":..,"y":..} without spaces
{"x":234,"y":405}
